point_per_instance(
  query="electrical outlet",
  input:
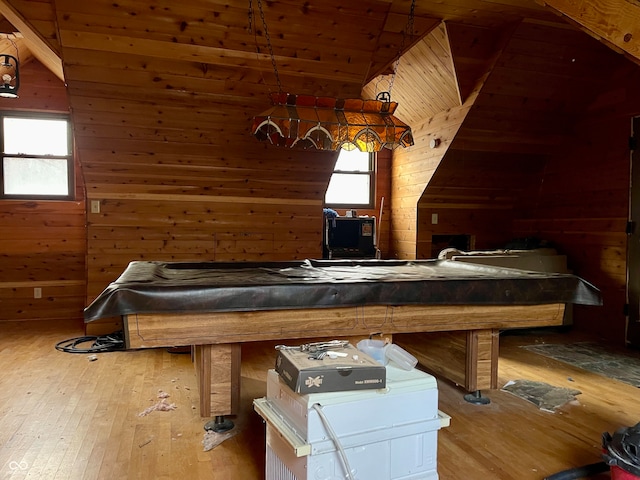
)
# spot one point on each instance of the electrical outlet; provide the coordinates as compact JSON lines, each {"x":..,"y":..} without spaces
{"x":37,"y":292}
{"x":95,"y":206}
{"x":434,"y":218}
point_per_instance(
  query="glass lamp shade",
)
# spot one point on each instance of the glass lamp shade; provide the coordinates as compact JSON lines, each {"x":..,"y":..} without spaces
{"x":328,"y":123}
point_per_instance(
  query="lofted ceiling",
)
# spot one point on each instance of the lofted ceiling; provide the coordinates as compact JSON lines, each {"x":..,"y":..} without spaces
{"x":208,"y":49}
{"x":205,"y":51}
{"x":148,"y":81}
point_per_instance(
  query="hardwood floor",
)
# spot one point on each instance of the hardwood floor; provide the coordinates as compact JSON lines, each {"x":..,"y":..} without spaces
{"x":65,"y":417}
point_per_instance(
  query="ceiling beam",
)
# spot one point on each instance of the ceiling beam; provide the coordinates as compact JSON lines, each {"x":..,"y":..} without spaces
{"x":614,"y":22}
{"x":35,"y":42}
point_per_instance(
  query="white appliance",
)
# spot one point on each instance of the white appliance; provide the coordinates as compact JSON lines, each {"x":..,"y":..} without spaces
{"x":384,"y":434}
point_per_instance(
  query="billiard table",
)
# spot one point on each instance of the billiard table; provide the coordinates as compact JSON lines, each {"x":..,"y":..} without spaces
{"x":448,"y":314}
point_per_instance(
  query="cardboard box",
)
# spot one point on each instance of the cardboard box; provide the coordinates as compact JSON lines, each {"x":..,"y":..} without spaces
{"x":356,"y":371}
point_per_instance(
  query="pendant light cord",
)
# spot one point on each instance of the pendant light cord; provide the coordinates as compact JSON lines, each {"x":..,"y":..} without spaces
{"x":408,"y":31}
{"x":267,"y":37}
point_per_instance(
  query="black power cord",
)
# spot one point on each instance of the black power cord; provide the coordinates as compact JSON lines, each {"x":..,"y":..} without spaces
{"x":102,"y":343}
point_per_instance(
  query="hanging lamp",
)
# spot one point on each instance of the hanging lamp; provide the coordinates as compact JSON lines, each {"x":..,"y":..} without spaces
{"x":10,"y":75}
{"x":328,"y":123}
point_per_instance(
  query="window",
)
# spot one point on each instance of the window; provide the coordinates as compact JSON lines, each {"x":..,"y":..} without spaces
{"x":36,"y":156}
{"x":353,"y":181}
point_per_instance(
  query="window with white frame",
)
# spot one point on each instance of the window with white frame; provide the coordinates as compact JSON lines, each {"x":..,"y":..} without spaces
{"x":37,"y":160}
{"x":352,"y":183}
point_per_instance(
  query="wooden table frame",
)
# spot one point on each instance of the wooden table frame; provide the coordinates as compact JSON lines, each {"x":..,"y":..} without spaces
{"x":467,"y":354}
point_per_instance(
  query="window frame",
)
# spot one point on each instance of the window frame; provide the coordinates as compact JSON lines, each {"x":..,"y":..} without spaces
{"x":371,"y":173}
{"x":69,"y":158}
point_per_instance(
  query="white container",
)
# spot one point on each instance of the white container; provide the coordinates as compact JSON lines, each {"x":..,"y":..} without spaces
{"x":400,"y":356}
{"x":375,"y":349}
{"x":386,"y":434}
{"x":382,"y":352}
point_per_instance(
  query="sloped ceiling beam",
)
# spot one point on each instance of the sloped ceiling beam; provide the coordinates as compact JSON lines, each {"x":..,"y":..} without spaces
{"x":35,"y":42}
{"x":12,"y":41}
{"x":614,"y":22}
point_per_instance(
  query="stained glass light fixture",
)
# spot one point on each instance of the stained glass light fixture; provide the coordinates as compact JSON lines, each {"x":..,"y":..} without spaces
{"x":328,"y":123}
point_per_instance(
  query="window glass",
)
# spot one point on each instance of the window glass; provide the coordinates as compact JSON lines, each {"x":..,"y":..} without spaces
{"x":35,"y":136}
{"x":353,"y":161}
{"x":36,"y":157}
{"x":349,"y":189}
{"x":351,"y":184}
{"x":24,"y":176}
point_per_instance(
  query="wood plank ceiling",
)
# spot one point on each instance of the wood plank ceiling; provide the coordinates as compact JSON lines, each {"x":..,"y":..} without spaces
{"x":198,"y":51}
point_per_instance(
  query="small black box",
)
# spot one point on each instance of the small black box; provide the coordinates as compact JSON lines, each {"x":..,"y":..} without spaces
{"x":356,"y":371}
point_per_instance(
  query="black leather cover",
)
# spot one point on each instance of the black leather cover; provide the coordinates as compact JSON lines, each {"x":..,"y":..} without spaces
{"x":156,"y":287}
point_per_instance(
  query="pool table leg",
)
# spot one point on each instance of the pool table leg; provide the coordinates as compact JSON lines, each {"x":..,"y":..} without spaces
{"x":467,"y":358}
{"x":218,"y":374}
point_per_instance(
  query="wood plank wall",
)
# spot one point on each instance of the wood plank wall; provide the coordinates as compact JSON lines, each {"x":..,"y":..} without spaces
{"x":524,"y":113}
{"x":412,"y":169}
{"x":196,"y":220}
{"x":522,"y":164}
{"x":43,"y":243}
{"x":196,"y":211}
{"x":583,"y":201}
{"x":162,"y":124}
{"x":476,"y":194}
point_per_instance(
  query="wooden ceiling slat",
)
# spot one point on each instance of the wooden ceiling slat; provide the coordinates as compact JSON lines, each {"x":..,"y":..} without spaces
{"x":35,"y":10}
{"x":254,"y":71}
{"x":41,"y":18}
{"x":43,"y":48}
{"x":616,"y":22}
{"x":151,"y":80}
{"x":91,"y":107}
{"x":183,"y":120}
{"x":219,"y":56}
{"x":233,"y":142}
{"x":224,"y":12}
{"x":229,"y":27}
{"x":390,"y":44}
{"x":209,"y":136}
{"x":343,"y":43}
{"x":82,"y":91}
{"x":493,"y":13}
{"x":472,"y":49}
{"x":137,"y":63}
{"x":188,"y":90}
{"x":231,"y":14}
{"x":425,"y":81}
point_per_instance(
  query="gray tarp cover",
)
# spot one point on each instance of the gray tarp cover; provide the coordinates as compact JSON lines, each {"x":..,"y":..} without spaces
{"x":164,"y":287}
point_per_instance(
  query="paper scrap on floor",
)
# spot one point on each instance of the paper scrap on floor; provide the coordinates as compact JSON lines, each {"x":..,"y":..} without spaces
{"x":544,"y":396}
